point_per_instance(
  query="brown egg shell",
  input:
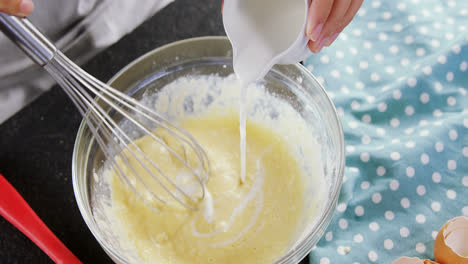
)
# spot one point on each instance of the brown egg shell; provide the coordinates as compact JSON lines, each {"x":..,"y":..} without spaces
{"x":443,"y":253}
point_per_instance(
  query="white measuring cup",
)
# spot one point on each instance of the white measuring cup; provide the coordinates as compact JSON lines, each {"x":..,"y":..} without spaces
{"x":264,"y":33}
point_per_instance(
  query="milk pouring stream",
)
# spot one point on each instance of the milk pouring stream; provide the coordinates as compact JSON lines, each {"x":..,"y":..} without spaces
{"x":263,"y":33}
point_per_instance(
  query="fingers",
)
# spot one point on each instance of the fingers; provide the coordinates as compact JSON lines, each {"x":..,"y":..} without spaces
{"x":17,"y":7}
{"x":330,"y":31}
{"x":352,"y":10}
{"x":327,"y":18}
{"x":319,"y":11}
{"x":337,"y":12}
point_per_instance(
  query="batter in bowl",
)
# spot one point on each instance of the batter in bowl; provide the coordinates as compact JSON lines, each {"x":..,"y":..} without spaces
{"x":256,"y":221}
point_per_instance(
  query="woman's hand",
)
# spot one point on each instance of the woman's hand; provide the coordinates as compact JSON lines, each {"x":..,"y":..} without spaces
{"x":19,"y":8}
{"x":327,"y":18}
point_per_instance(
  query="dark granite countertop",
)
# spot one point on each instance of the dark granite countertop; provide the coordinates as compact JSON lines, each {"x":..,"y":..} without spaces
{"x":36,"y":144}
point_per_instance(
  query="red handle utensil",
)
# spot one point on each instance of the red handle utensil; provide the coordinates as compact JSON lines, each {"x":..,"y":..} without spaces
{"x":15,"y":209}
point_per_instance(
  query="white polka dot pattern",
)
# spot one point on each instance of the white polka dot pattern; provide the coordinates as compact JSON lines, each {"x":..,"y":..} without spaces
{"x":398,"y":75}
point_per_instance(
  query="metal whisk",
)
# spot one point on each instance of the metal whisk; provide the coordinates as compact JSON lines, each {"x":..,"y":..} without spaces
{"x":117,"y":146}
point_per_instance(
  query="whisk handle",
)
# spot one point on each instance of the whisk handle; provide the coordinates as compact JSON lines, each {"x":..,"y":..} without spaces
{"x":28,"y":38}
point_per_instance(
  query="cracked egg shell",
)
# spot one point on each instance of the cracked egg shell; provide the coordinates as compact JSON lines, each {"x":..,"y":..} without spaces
{"x":451,"y":245}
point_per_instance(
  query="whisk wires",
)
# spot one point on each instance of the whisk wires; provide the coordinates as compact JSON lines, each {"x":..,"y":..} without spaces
{"x":120,"y":148}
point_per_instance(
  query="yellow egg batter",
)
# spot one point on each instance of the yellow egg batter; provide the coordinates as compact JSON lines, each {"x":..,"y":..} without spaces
{"x":253,"y":222}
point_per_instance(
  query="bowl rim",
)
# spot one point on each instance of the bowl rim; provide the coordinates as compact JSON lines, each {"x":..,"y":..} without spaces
{"x":302,"y":248}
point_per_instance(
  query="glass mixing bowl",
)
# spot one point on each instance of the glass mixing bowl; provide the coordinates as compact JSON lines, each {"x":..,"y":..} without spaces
{"x":213,"y":55}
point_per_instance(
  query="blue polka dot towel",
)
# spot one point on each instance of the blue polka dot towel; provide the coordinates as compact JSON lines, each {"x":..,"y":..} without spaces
{"x":399,"y":78}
